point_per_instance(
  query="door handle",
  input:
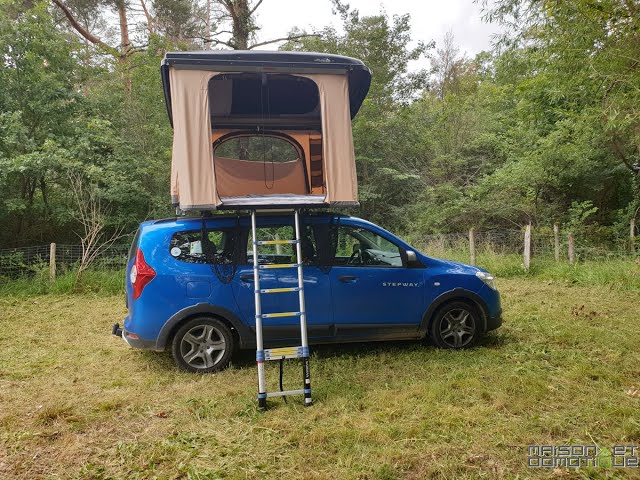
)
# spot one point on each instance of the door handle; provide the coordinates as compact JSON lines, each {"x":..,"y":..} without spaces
{"x":347,"y":278}
{"x":246,"y":277}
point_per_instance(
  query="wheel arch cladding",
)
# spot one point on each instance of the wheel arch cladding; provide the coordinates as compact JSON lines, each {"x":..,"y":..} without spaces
{"x":240,"y":331}
{"x":455,"y":295}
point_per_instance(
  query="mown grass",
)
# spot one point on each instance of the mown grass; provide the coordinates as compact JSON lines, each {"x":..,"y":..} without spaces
{"x":79,"y":404}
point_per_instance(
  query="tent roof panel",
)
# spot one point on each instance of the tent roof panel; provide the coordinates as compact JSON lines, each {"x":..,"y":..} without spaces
{"x":271,"y":62}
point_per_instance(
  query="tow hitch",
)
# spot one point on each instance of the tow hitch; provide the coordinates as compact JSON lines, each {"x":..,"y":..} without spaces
{"x":116,"y":330}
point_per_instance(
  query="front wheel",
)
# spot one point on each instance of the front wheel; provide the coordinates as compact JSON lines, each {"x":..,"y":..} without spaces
{"x":202,"y":345}
{"x":457,"y":325}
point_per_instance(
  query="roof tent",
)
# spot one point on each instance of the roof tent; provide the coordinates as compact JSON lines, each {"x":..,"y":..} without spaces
{"x":262,"y":129}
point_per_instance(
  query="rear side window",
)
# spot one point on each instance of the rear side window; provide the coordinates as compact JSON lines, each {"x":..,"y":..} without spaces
{"x":215,"y":246}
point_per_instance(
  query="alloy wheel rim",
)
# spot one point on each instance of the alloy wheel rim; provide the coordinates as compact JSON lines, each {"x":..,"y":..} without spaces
{"x":457,"y":328}
{"x":202,"y":346}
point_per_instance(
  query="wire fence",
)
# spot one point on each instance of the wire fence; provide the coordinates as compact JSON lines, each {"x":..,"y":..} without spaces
{"x":510,"y":242}
{"x":27,"y":261}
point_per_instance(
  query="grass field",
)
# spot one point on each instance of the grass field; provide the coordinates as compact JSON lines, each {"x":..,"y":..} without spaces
{"x":78,"y":403}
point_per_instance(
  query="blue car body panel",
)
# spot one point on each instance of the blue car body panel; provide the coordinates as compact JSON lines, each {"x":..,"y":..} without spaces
{"x":344,"y":302}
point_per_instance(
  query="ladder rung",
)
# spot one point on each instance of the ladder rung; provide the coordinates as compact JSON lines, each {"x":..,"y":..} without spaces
{"x":279,"y":265}
{"x":284,"y":393}
{"x":278,"y":290}
{"x":284,"y":352}
{"x":279,"y":314}
{"x":276,"y":242}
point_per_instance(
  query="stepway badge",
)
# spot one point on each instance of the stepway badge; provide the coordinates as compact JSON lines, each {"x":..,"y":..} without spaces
{"x":401,"y":284}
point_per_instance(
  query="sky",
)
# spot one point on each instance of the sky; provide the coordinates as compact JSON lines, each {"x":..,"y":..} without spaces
{"x":430,"y":19}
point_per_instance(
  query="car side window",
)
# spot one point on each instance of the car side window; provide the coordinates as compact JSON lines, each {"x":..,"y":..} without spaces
{"x":217,"y":246}
{"x":282,"y":253}
{"x":359,"y":247}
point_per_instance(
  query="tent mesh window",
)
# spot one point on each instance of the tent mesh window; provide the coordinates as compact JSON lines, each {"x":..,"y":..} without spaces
{"x":260,"y":99}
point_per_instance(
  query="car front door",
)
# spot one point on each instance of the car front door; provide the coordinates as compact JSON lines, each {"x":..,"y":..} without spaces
{"x":375,"y":295}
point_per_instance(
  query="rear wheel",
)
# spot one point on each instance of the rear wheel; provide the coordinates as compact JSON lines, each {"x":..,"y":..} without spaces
{"x":456,"y":325}
{"x":203,"y":345}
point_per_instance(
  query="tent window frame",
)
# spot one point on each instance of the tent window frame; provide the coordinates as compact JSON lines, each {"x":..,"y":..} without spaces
{"x":268,"y":133}
{"x":268,"y":85}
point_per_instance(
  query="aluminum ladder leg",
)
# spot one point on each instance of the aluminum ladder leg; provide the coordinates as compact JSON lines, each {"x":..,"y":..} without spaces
{"x":301,"y":351}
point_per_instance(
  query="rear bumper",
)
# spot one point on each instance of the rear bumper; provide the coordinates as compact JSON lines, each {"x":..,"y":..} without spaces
{"x":131,"y":339}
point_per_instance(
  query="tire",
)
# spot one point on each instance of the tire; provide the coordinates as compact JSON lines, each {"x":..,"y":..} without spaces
{"x":456,"y":325}
{"x":203,"y":345}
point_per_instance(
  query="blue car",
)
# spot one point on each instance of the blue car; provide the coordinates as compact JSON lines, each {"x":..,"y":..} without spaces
{"x":190,"y":288}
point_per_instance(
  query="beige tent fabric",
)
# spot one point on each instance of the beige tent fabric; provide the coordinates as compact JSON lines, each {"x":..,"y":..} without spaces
{"x":193,"y":179}
{"x":175,"y":191}
{"x":192,"y":175}
{"x":337,"y":139}
{"x":245,"y":177}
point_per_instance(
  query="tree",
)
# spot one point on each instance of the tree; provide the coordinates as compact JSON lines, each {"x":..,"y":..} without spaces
{"x":121,"y":50}
{"x":38,"y":101}
{"x":92,"y":216}
{"x":588,"y":51}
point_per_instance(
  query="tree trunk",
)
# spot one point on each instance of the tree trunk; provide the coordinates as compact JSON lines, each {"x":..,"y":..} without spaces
{"x":241,"y":24}
{"x":243,"y":149}
{"x":124,"y":27}
{"x":45,"y":197}
{"x":150,"y":23}
{"x":207,"y":31}
{"x":125,"y":44}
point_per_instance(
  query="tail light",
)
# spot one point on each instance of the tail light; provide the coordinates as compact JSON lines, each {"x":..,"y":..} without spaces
{"x":140,"y":275}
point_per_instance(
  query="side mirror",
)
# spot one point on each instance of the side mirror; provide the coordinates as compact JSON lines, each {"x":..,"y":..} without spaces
{"x":412,"y":259}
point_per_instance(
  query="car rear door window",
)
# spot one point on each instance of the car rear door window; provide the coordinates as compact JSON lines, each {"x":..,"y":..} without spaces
{"x":216,"y":246}
{"x":286,"y":253}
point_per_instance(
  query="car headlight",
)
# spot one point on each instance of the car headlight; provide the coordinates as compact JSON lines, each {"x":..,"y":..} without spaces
{"x":488,"y":279}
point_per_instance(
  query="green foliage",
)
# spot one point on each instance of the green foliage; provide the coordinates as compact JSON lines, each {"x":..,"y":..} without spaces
{"x":576,"y":77}
{"x":99,"y":282}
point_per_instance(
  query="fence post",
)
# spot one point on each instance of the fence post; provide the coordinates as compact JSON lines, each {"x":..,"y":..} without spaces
{"x":556,"y":241}
{"x":472,"y":246}
{"x":632,"y":234}
{"x":527,"y":247}
{"x":572,"y":250}
{"x":52,"y":262}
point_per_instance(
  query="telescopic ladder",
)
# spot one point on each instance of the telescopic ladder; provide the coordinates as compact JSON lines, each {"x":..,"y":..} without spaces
{"x":282,"y":353}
